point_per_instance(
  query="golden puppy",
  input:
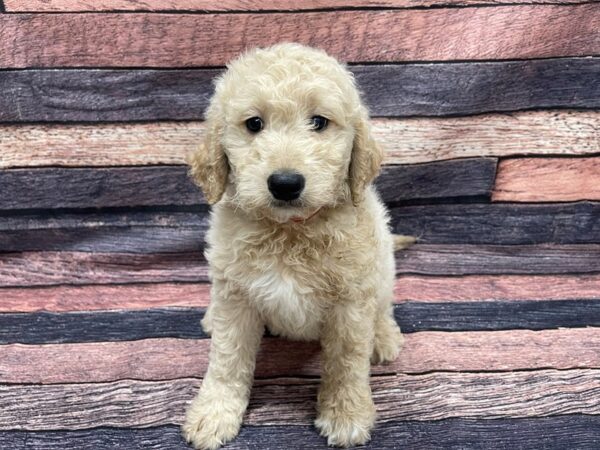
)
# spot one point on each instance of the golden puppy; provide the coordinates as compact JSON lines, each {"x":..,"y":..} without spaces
{"x":299,"y":240}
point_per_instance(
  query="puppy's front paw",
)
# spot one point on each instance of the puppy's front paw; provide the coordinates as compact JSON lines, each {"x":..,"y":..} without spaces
{"x":344,"y":429}
{"x":209,"y":425}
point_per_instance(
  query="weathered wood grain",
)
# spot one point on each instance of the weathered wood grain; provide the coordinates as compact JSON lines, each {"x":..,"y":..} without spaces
{"x":47,"y":188}
{"x":137,"y":40}
{"x":496,"y":287}
{"x":96,"y":188}
{"x":79,"y":268}
{"x":129,"y":232}
{"x":424,"y":351}
{"x":101,"y":326}
{"x":548,"y":179}
{"x":455,"y":178}
{"x":150,"y":232}
{"x":552,"y":433}
{"x":406,"y":141}
{"x":498,"y":259}
{"x":525,"y":314}
{"x":432,"y":396}
{"x":575,"y":223}
{"x":480,"y":288}
{"x":104,"y":297}
{"x":389,"y":90}
{"x":442,"y":89}
{"x":244,"y":5}
{"x":98,"y":145}
{"x":106,"y":95}
{"x":126,"y":325}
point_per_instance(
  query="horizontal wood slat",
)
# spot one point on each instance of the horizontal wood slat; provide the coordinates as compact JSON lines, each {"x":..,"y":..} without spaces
{"x":499,"y":259}
{"x":498,"y":224}
{"x":244,"y":5}
{"x":78,"y":268}
{"x":47,"y":188}
{"x":124,"y":325}
{"x":496,"y":287}
{"x":104,"y":297}
{"x":138,"y":40}
{"x":479,"y":288}
{"x":150,"y":232}
{"x":406,"y":141}
{"x":389,"y":90}
{"x":555,"y":433}
{"x":424,"y":351}
{"x":548,"y":179}
{"x":403,"y":397}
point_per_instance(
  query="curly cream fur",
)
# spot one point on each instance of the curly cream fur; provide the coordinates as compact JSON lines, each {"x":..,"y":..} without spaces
{"x":328,"y":277}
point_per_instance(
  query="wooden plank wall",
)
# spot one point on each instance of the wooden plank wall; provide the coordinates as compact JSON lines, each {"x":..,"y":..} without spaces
{"x":489,"y":111}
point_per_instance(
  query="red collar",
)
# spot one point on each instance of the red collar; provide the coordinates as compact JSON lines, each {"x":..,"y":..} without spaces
{"x":304,"y":219}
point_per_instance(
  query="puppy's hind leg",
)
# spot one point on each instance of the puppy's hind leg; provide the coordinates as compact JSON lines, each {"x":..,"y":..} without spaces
{"x":388,"y":338}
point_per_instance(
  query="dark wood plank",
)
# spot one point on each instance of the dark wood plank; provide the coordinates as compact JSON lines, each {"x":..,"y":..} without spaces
{"x":454,"y":178}
{"x":406,"y":141}
{"x":138,"y":40}
{"x":440,"y":259}
{"x":424,"y":351}
{"x":434,"y":396}
{"x":496,"y":287}
{"x":474,"y":316}
{"x":134,"y":232}
{"x":390,"y":90}
{"x":548,"y":180}
{"x":553,"y":433}
{"x":244,"y":5}
{"x":79,"y":268}
{"x":149,"y":232}
{"x":47,"y":188}
{"x":472,"y":88}
{"x":576,"y":223}
{"x":96,"y":188}
{"x":183,"y":323}
{"x":107,"y":95}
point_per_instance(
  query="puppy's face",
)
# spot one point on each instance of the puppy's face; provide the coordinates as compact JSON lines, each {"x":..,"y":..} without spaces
{"x":283,"y":124}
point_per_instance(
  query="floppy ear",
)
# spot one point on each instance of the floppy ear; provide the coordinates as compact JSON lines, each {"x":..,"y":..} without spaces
{"x":366,"y":158}
{"x":208,"y":164}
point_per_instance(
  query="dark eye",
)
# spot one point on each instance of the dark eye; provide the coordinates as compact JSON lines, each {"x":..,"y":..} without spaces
{"x":319,"y":123}
{"x":254,"y":124}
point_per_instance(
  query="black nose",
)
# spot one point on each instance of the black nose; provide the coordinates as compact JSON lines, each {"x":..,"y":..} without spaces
{"x":286,"y":185}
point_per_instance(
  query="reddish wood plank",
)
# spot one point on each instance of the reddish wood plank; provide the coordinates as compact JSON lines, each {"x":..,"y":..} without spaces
{"x":125,"y":40}
{"x":548,"y":179}
{"x":53,"y":268}
{"x":98,"y":297}
{"x":242,"y":5}
{"x":496,"y":287}
{"x":98,"y":145}
{"x":433,"y":396}
{"x":406,"y":141}
{"x":408,"y":288}
{"x":425,"y":351}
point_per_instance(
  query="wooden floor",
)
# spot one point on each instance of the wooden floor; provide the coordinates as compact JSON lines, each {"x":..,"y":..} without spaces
{"x":489,"y":112}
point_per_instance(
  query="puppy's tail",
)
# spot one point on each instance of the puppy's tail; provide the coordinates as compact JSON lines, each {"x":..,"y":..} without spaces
{"x":401,"y":241}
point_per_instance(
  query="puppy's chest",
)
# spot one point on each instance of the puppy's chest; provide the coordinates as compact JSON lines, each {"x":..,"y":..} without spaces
{"x":290,"y":292}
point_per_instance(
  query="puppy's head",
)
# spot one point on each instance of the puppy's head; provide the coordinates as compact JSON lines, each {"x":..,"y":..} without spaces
{"x":287,"y":134}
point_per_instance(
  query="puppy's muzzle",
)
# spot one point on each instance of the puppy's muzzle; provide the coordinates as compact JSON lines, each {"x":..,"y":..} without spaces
{"x":286,"y":185}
